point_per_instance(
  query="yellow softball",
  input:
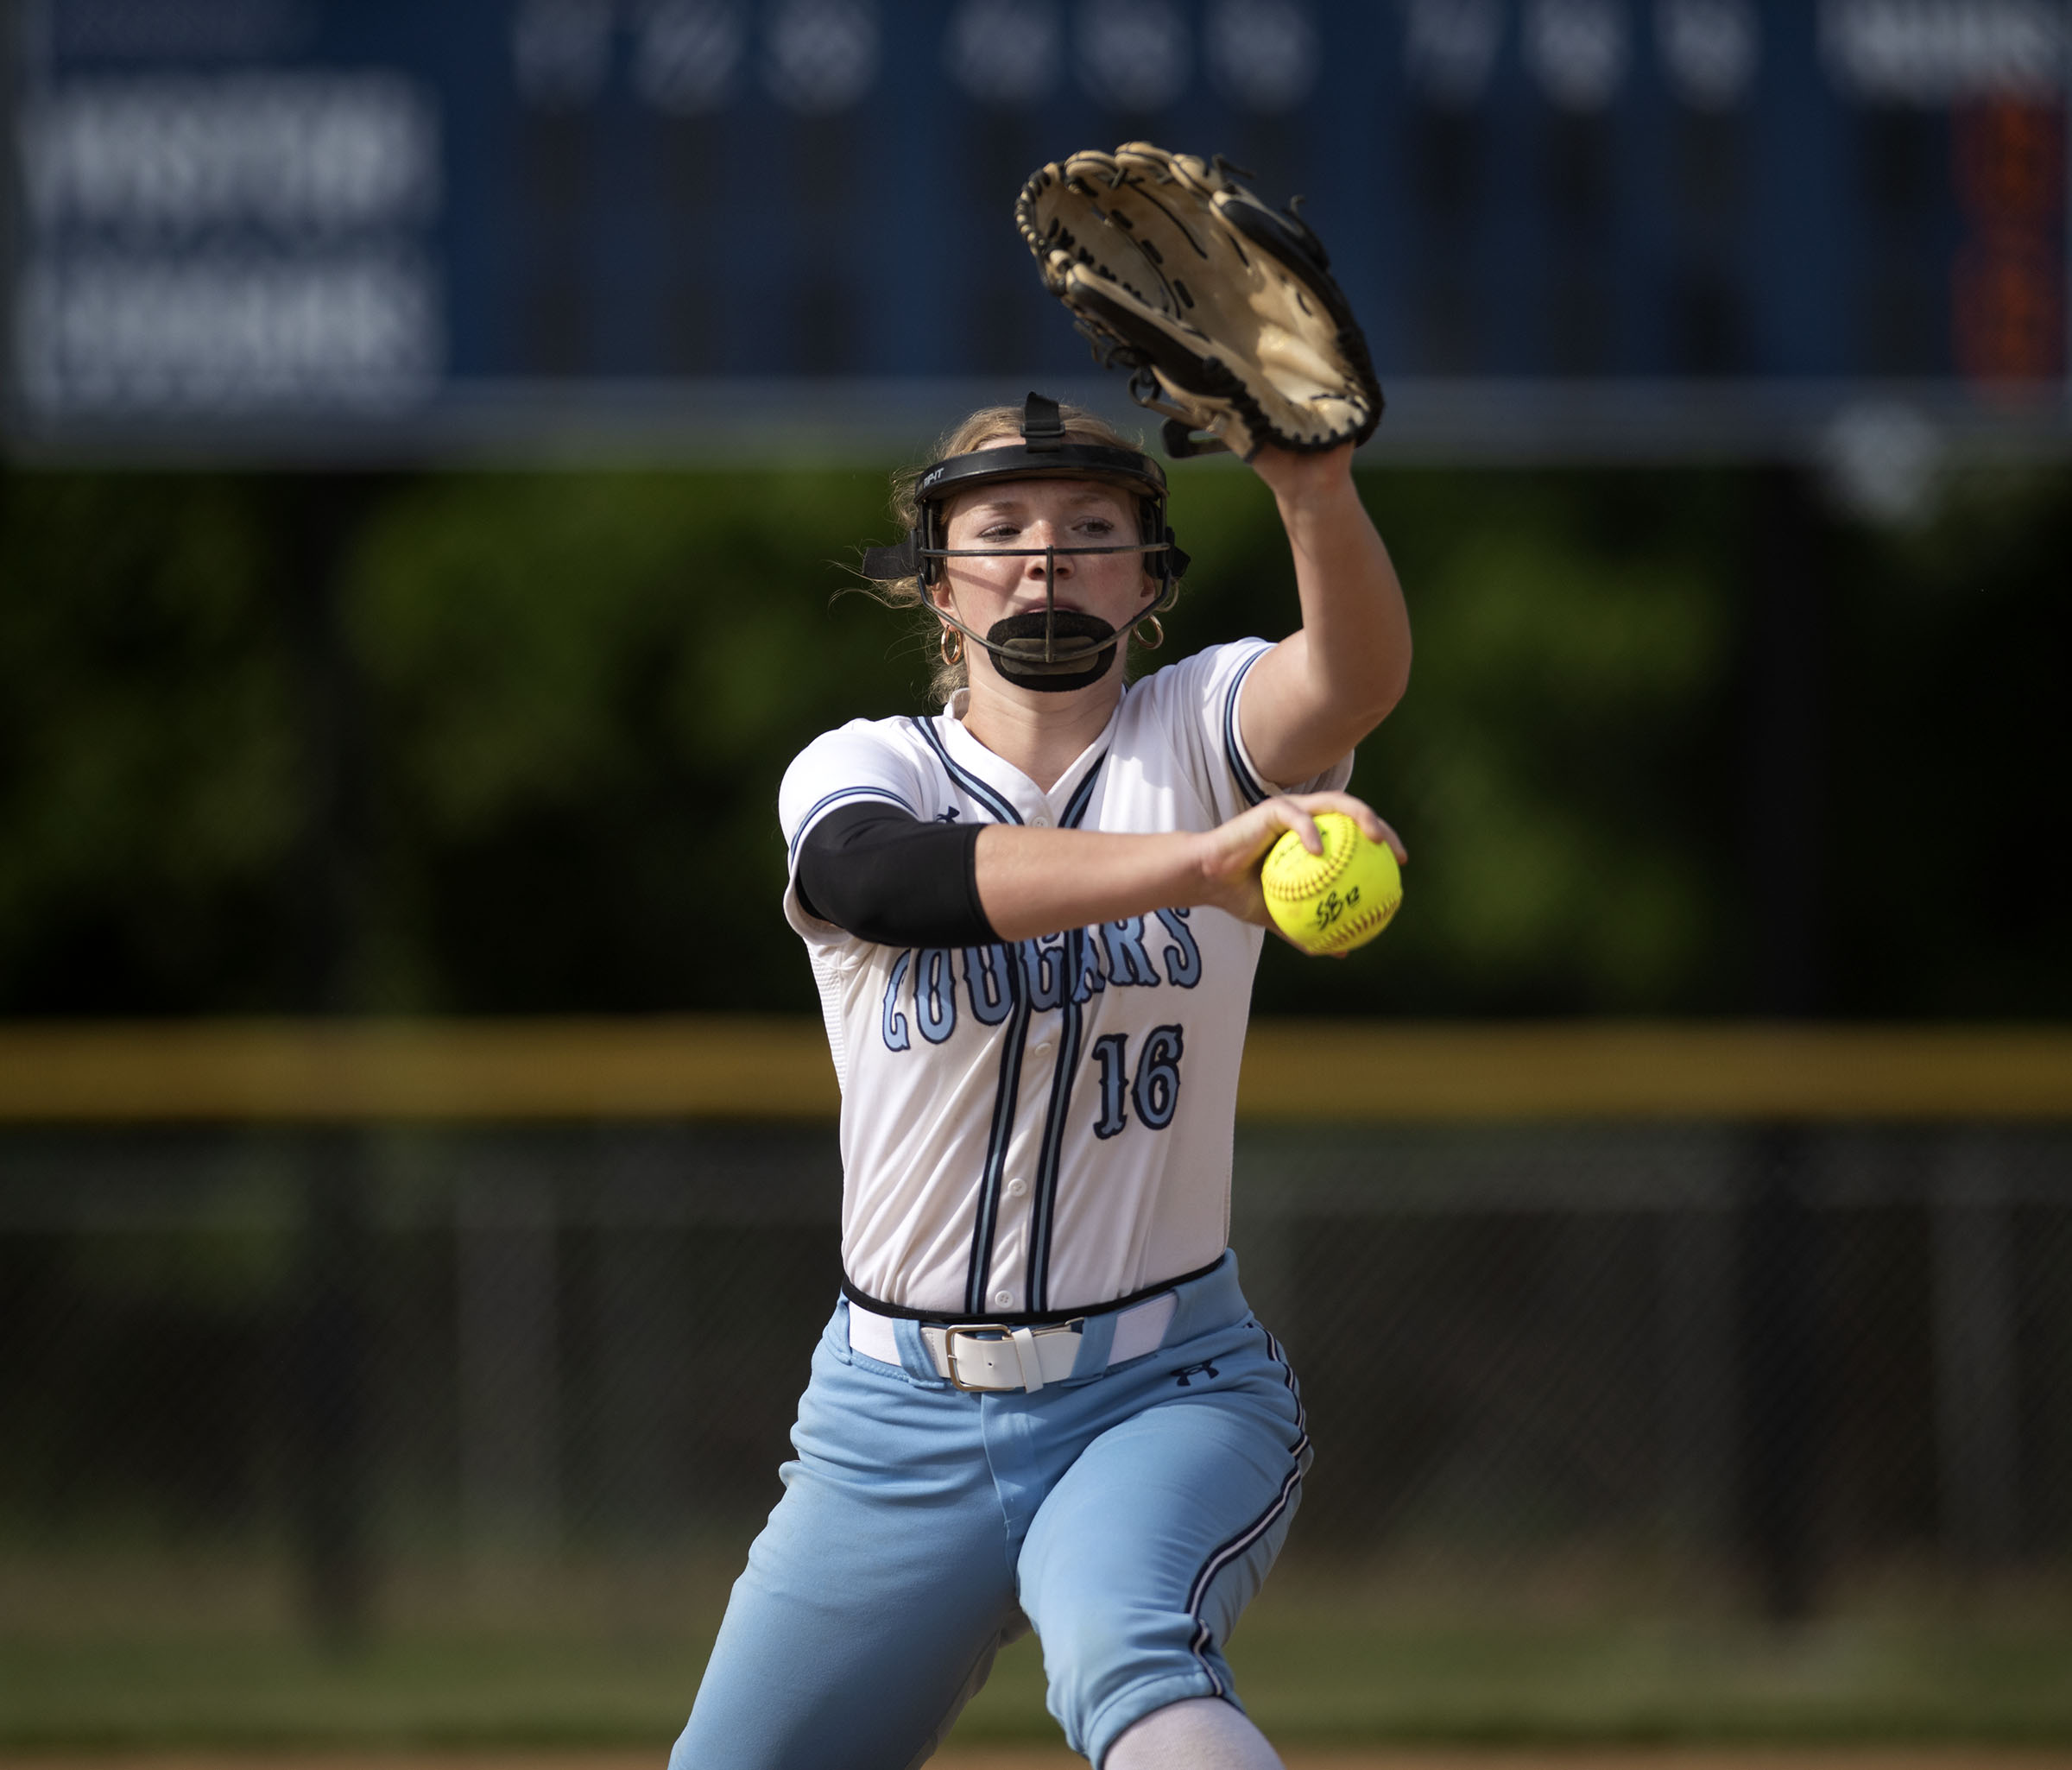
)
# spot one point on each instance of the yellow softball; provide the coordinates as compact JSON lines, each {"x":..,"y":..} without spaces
{"x":1336,"y":900}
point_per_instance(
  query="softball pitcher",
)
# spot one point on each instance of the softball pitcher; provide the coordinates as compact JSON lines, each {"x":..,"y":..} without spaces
{"x":1034,"y":919}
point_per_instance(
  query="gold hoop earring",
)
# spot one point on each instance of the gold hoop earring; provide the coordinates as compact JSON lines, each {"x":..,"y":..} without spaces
{"x":951,"y":646}
{"x":1156,"y":636}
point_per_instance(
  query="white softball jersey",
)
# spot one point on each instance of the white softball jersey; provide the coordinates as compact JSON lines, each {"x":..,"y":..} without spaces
{"x":1042,"y":1127}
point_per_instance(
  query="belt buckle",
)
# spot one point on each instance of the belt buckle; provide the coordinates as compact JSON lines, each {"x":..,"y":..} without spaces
{"x":974,"y":1328}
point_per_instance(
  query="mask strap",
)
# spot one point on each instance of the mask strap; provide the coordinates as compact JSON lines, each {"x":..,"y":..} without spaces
{"x":1041,"y":425}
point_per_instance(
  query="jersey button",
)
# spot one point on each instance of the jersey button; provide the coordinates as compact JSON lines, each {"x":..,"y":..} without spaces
{"x":1040,"y":821}
{"x":1016,"y":1188}
{"x":1004,"y":1299}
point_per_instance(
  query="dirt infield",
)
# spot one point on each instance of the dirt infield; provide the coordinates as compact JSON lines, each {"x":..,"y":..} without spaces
{"x":1041,"y":1758}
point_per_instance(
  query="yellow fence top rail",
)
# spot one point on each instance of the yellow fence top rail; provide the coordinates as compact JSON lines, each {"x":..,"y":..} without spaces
{"x":755,"y":1067}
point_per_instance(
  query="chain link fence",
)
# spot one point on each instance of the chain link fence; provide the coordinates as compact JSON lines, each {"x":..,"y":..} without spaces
{"x":1778,"y":1360}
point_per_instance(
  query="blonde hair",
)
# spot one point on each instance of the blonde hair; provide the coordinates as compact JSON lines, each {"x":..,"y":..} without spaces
{"x":989,"y":424}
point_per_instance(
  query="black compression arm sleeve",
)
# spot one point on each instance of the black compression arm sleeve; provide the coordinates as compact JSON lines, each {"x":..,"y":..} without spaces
{"x":885,"y":876}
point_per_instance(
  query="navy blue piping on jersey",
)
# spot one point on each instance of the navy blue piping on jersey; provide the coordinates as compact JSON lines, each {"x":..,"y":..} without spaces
{"x":805,"y":824}
{"x":989,"y":797}
{"x":1043,"y":1208}
{"x":1229,"y":1551}
{"x":1075,"y":808}
{"x":1247,"y":782}
{"x":1007,"y":1093}
{"x":1006,"y":1096}
{"x":986,"y":1215}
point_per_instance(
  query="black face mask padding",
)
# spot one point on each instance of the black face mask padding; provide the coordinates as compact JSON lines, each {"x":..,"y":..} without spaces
{"x":886,"y":876}
{"x":1018,"y":665}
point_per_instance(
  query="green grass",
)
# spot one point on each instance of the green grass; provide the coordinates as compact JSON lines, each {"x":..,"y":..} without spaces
{"x":402,"y":1692}
{"x":1322,"y":1673}
{"x":1842,"y":1681}
{"x":1343,"y":1659}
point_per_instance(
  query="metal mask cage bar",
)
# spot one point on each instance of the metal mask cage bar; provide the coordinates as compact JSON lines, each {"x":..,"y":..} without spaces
{"x":1055,"y":651}
{"x":887,"y":565}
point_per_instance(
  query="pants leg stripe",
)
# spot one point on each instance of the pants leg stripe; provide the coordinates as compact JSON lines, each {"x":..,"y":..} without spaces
{"x":1228,"y":1551}
{"x":1287,"y":1375}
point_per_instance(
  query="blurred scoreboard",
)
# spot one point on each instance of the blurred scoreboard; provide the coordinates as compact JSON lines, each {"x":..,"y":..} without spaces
{"x":338,"y":224}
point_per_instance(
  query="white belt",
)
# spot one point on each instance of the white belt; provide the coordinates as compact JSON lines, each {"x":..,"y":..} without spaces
{"x":989,"y":1356}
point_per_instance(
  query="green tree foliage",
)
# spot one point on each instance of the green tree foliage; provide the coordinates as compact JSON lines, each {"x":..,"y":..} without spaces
{"x":1549,"y":768}
{"x":148,"y":756}
{"x":1560,"y":694}
{"x":585,"y":691}
{"x":575,"y":694}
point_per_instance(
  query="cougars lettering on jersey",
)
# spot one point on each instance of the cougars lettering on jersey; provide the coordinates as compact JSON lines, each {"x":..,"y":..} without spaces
{"x":1046,"y":1125}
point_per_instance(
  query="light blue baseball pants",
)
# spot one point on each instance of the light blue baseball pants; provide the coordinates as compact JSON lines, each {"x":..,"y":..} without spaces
{"x":1129,"y":1515}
